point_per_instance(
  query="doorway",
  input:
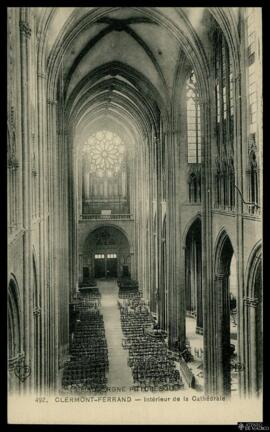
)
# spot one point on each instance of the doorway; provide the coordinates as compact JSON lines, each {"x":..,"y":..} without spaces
{"x":106,"y":265}
{"x":111,"y":265}
{"x":106,"y":250}
{"x":100,"y":270}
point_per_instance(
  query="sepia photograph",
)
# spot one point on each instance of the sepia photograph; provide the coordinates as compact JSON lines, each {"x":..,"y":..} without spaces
{"x":134,"y":212}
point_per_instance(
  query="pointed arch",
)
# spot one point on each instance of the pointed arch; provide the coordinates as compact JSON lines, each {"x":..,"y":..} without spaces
{"x":14,"y":320}
{"x":253,"y":265}
{"x":223,"y":253}
{"x":193,"y":271}
{"x":253,"y":318}
{"x":222,"y":261}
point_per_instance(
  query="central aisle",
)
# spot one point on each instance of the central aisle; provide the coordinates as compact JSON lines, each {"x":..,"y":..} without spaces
{"x":119,"y":372}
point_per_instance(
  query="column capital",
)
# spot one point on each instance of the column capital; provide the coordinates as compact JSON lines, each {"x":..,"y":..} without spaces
{"x":52,"y":101}
{"x":13,"y":163}
{"x":19,"y":357}
{"x":220,"y":276}
{"x":250,"y":301}
{"x":42,"y":75}
{"x":25,"y":29}
{"x":37,"y":311}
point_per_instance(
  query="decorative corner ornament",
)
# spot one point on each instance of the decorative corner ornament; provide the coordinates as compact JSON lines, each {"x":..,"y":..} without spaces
{"x":22,"y":371}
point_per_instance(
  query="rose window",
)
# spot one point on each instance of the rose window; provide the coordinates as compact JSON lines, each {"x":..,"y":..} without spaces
{"x":104,"y":152}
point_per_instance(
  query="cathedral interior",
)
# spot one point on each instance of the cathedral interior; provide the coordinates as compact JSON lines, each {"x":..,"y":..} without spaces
{"x":134,"y":199}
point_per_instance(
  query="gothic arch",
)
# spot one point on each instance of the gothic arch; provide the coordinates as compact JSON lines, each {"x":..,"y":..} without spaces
{"x":253,"y":319}
{"x":254,"y":261}
{"x":189,"y":225}
{"x":110,"y":225}
{"x":223,"y":256}
{"x":228,"y":25}
{"x":70,"y":31}
{"x":223,"y":242}
{"x":105,"y":239}
{"x":14,"y":322}
{"x":193,"y":271}
{"x":135,"y":94}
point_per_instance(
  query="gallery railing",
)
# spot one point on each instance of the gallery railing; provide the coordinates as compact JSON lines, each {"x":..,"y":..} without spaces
{"x":106,"y":217}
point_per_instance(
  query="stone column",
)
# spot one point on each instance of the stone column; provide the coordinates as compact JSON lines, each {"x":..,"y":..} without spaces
{"x":80,"y":184}
{"x":181,"y":298}
{"x":53,"y":237}
{"x":41,"y":106}
{"x":172,"y":168}
{"x":250,"y":305}
{"x":222,"y":349}
{"x":25,"y":34}
{"x":199,"y":327}
{"x":208,"y":136}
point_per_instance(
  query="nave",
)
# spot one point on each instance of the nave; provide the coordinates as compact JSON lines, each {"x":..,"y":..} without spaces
{"x":114,"y":346}
{"x":135,"y":149}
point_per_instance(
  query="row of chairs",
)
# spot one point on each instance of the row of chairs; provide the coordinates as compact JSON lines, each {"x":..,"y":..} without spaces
{"x":128,"y":293}
{"x":87,"y":305}
{"x":88,"y":365}
{"x":149,"y":358}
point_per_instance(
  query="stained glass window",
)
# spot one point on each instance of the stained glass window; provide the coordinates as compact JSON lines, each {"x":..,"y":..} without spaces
{"x":104,"y":152}
{"x":251,"y":53}
{"x":224,"y":87}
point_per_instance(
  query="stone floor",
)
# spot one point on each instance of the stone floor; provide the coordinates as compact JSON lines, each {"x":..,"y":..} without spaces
{"x":196,"y":342}
{"x":119,"y":372}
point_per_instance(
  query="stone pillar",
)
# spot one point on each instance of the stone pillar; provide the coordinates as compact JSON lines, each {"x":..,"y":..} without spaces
{"x":25,"y":34}
{"x":80,"y":184}
{"x":199,"y":326}
{"x":85,"y":183}
{"x":181,"y":299}
{"x":250,"y":305}
{"x":153,"y":274}
{"x":222,"y":351}
{"x":171,"y":241}
{"x":41,"y":106}
{"x":208,"y":118}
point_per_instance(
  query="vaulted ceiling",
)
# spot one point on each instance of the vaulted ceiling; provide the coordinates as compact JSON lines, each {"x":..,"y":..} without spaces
{"x":142,"y":39}
{"x":120,"y":63}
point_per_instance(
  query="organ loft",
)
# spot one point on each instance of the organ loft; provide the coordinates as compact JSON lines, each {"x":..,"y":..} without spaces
{"x":134,"y":175}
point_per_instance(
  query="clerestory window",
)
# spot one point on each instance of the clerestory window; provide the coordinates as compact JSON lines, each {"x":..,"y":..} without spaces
{"x":193,"y":120}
